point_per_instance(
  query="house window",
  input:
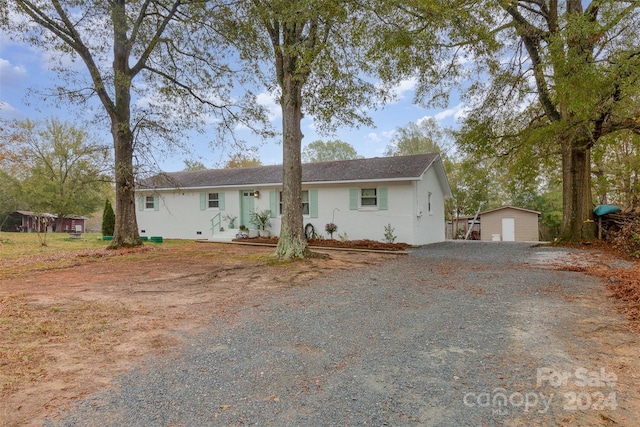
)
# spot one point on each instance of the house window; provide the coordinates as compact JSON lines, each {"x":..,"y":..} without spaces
{"x":305,"y":202}
{"x":214,"y":200}
{"x":149,"y":202}
{"x":429,"y":202}
{"x":368,"y":197}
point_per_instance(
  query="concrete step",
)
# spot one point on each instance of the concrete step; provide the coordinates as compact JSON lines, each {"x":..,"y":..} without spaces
{"x":224,"y":236}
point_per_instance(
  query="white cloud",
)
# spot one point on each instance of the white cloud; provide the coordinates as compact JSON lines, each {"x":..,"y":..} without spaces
{"x":6,"y":110}
{"x":389,"y":133}
{"x":372,"y":136}
{"x":400,"y":91}
{"x":423,"y":119}
{"x":268,"y":101}
{"x":445,"y":114}
{"x":460,"y":111}
{"x":407,"y":85}
{"x":10,"y":75}
{"x":312,"y":126}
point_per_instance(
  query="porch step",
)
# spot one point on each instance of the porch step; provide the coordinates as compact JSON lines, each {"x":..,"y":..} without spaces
{"x":224,"y":236}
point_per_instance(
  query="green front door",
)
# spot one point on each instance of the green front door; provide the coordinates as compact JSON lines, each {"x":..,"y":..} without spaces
{"x":246,"y":208}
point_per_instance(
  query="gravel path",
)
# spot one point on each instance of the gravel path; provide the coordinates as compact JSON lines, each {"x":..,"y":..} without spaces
{"x":455,"y":334}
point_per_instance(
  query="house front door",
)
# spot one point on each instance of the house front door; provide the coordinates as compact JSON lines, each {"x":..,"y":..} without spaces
{"x":246,"y":207}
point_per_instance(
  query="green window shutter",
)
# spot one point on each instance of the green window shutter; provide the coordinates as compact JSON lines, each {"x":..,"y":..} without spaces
{"x":313,"y":203}
{"x":156,"y":202}
{"x":203,"y":201}
{"x":221,"y":201}
{"x":273,"y":203}
{"x":383,"y":203}
{"x":140,"y":203}
{"x":353,"y":198}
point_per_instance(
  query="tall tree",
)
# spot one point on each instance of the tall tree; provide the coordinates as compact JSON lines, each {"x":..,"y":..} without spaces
{"x":555,"y":77}
{"x":320,"y":151}
{"x":11,"y":173}
{"x":108,"y":219}
{"x":241,"y":160}
{"x":10,"y":196}
{"x":416,"y":138}
{"x":316,"y":66}
{"x":472,"y":186}
{"x":617,"y":170}
{"x":66,"y":167}
{"x":157,"y":42}
{"x":193,"y":165}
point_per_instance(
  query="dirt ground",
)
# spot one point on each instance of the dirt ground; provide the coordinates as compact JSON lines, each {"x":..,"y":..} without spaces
{"x":68,"y":326}
{"x":67,"y":331}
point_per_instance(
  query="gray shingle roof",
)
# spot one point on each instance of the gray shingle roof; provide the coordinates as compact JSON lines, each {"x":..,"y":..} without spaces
{"x":378,"y":168}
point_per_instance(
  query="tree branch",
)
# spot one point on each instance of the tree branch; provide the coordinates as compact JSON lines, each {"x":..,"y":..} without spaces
{"x":155,"y":39}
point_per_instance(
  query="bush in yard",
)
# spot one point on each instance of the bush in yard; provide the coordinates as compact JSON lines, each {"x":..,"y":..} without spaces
{"x":389,"y":237}
{"x":108,"y":219}
{"x":331,"y":228}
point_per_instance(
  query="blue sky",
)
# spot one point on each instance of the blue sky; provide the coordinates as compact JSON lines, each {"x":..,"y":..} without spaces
{"x":23,"y":68}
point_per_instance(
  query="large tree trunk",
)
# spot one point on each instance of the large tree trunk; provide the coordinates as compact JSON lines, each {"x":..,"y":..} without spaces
{"x":577,"y":217}
{"x":292,"y":242}
{"x":125,"y":232}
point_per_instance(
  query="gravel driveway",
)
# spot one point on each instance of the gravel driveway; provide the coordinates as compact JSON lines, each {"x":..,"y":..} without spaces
{"x":454,"y":334}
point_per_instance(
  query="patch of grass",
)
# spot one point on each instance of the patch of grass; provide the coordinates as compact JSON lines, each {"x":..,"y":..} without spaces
{"x":16,"y":245}
{"x":23,"y":253}
{"x":263,"y":258}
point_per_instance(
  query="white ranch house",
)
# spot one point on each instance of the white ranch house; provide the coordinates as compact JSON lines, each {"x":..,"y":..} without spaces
{"x":360,"y":196}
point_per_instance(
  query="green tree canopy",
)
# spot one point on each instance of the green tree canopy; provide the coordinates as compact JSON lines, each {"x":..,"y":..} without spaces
{"x":617,"y":170}
{"x":164,"y":46}
{"x":241,"y":160}
{"x":193,"y":165}
{"x":10,"y":197}
{"x":308,"y":51}
{"x":550,"y":80}
{"x":67,"y":170}
{"x":416,"y":138}
{"x":320,"y":151}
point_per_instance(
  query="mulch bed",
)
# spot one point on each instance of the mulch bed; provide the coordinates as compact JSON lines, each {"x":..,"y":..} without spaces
{"x":330,"y":243}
